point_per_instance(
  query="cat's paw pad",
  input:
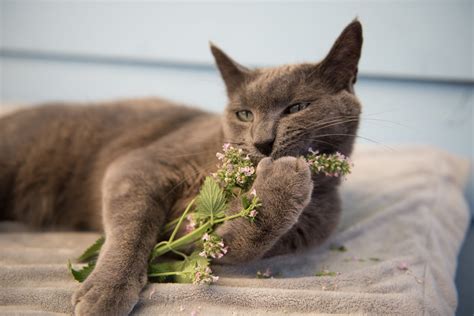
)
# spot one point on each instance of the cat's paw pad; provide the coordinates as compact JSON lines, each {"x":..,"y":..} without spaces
{"x":286,"y":177}
{"x":97,"y":296}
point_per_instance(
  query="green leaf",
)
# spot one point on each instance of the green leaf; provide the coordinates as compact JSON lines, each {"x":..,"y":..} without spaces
{"x":166,"y":267}
{"x":189,"y":267}
{"x":211,"y":201}
{"x":178,"y":271}
{"x":83,"y":273}
{"x":326,"y":273}
{"x":93,"y":251}
{"x":340,"y":248}
{"x":245,"y":201}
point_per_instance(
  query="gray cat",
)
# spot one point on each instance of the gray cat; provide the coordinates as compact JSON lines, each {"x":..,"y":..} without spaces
{"x":128,"y":167}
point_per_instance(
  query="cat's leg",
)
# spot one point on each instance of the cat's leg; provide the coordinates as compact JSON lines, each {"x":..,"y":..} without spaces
{"x":284,"y":187}
{"x":318,"y":220}
{"x":132,"y":214}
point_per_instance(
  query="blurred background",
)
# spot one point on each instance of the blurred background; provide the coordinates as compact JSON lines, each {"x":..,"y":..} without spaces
{"x":416,"y":78}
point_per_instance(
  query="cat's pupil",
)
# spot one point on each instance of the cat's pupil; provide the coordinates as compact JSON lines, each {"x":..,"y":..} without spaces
{"x":297,"y":107}
{"x":245,"y":116}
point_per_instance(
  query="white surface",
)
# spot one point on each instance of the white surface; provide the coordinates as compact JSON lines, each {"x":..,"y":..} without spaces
{"x":417,"y":38}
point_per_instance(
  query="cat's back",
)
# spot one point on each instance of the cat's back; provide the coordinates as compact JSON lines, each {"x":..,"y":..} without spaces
{"x":50,"y":151}
{"x":81,"y":128}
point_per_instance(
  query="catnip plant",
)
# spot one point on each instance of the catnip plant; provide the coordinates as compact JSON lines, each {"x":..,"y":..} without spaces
{"x":233,"y":180}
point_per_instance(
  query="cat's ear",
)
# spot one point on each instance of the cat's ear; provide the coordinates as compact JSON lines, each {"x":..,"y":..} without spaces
{"x":340,"y":66}
{"x":234,"y":74}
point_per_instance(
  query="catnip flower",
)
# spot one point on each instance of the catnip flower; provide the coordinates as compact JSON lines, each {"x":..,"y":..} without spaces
{"x":402,"y":266}
{"x":331,"y":165}
{"x":235,"y":169}
{"x":191,"y":225}
{"x":250,"y":204}
{"x":203,"y":275}
{"x":265,"y":275}
{"x":212,"y":246}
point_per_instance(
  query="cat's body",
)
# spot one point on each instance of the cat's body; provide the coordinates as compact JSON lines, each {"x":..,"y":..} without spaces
{"x":51,"y":172}
{"x":130,"y":166}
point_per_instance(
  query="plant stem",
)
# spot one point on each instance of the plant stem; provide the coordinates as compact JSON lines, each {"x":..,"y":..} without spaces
{"x":228,"y":218}
{"x":181,"y":242}
{"x":231,"y":217}
{"x":166,"y":273}
{"x":181,"y":220}
{"x":180,"y":253}
{"x":171,"y":225}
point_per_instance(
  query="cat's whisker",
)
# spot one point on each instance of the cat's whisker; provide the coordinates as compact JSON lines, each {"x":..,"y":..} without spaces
{"x":357,"y":136}
{"x":333,"y":146}
{"x":346,"y":119}
{"x":321,"y":123}
{"x":329,"y":124}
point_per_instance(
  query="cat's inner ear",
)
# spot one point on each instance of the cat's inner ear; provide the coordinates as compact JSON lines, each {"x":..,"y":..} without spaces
{"x":340,"y":66}
{"x":233,"y":74}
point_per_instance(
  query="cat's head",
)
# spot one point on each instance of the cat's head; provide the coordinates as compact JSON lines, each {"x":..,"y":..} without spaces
{"x":283,"y":111}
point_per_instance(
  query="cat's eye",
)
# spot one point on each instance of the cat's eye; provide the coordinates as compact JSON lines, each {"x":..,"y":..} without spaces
{"x":297,"y":107}
{"x":245,"y":116}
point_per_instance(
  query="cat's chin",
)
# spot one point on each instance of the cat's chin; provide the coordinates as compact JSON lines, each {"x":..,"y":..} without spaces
{"x":255,"y":158}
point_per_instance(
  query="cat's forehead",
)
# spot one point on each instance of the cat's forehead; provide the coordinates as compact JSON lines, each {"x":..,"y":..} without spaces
{"x":278,"y":85}
{"x":274,"y":79}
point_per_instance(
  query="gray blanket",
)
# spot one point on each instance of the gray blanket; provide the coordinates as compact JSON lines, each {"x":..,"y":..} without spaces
{"x":404,"y":221}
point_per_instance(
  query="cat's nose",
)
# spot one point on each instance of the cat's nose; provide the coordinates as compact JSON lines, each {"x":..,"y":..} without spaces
{"x":265,"y":147}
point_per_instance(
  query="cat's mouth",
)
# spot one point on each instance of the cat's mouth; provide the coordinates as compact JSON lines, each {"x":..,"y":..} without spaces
{"x":256,"y":156}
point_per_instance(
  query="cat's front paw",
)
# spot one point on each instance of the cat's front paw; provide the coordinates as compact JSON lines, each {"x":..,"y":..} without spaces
{"x":285,"y":183}
{"x":102,"y":294}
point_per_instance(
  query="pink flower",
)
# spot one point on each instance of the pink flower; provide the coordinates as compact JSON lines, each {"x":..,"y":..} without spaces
{"x":267,"y":273}
{"x":213,"y":246}
{"x":191,"y":225}
{"x":402,"y":266}
{"x":220,"y":156}
{"x":248,"y":171}
{"x":189,"y":228}
{"x":226,"y":147}
{"x":253,"y":213}
{"x":204,"y":276}
{"x":253,"y":192}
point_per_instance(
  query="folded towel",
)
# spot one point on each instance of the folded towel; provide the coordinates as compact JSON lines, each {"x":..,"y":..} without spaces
{"x":403,"y":222}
